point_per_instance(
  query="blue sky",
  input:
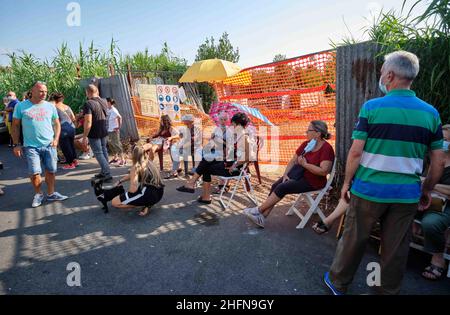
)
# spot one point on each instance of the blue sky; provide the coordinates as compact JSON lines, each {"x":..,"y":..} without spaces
{"x":260,"y":28}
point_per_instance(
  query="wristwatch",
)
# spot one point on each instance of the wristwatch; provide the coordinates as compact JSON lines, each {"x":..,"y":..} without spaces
{"x":15,"y":145}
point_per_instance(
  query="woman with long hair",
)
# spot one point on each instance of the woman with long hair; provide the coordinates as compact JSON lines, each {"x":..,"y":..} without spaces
{"x":161,"y":140}
{"x":145,"y":189}
{"x":67,"y":136}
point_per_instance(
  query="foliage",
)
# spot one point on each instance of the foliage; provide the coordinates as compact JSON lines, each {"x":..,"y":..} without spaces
{"x":209,"y":50}
{"x":64,"y":71}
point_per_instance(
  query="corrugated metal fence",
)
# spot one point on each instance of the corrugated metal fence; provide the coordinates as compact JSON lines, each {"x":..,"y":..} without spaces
{"x":356,"y":82}
{"x":117,"y":87}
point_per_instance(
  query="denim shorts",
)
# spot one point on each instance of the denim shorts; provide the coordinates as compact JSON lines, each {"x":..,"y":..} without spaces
{"x":45,"y":155}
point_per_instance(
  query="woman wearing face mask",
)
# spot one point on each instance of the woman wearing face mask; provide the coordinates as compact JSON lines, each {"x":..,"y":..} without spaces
{"x":306,"y":171}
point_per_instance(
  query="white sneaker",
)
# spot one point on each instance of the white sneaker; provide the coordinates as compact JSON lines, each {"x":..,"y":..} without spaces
{"x":37,"y":200}
{"x":84,"y":156}
{"x":253,"y":211}
{"x":256,"y":218}
{"x":56,"y":196}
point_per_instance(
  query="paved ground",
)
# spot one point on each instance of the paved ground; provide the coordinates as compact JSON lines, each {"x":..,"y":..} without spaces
{"x":180,"y":248}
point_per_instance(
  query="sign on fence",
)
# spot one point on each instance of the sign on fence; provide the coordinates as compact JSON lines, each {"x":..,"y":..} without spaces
{"x":148,"y":98}
{"x":169,"y":101}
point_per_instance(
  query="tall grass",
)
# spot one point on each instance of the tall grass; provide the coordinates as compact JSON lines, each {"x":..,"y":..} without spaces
{"x":425,"y":34}
{"x":63,"y":72}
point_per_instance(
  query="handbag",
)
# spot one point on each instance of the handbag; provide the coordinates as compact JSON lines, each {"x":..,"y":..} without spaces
{"x":297,"y":172}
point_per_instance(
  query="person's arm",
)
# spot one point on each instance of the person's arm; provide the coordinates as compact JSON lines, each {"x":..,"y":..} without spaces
{"x":323,"y":170}
{"x":15,"y":134}
{"x":353,"y":160}
{"x":87,"y":128}
{"x":443,"y":189}
{"x":437,"y":164}
{"x":119,"y":122}
{"x":57,"y":132}
{"x":71,"y":115}
{"x":134,"y":184}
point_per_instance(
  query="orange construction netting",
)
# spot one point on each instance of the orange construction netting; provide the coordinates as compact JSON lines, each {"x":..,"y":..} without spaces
{"x":290,"y":94}
{"x":149,"y":125}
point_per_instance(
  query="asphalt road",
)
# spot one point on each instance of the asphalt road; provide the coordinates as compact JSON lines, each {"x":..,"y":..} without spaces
{"x":180,"y":248}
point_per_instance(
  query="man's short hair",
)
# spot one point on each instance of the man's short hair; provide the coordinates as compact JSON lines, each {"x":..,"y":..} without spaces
{"x":92,"y":89}
{"x":402,"y":63}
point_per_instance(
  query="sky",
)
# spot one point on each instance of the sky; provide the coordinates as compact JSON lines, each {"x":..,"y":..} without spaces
{"x":260,"y":29}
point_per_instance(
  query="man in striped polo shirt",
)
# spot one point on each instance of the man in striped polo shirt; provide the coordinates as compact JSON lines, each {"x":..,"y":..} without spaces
{"x":390,"y":140}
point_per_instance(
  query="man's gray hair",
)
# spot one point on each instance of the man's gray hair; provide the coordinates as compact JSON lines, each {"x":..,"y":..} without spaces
{"x":402,"y":63}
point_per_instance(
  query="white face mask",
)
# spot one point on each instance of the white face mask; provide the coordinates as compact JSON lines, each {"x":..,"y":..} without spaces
{"x":445,"y":146}
{"x":382,"y":87}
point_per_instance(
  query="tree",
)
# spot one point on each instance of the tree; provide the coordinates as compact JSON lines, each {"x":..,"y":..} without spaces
{"x":209,"y":50}
{"x":224,"y":50}
{"x":279,"y":57}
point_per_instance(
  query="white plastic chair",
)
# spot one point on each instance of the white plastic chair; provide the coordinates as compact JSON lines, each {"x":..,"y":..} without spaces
{"x":312,"y":202}
{"x":243,"y":175}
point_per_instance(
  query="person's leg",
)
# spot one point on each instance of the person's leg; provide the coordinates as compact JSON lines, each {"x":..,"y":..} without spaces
{"x":71,"y":146}
{"x":282,"y":189}
{"x":49,"y":159}
{"x":203,"y":169}
{"x":434,"y":226}
{"x":361,"y":217}
{"x":206,"y":191}
{"x":64,"y":143}
{"x":395,"y":239}
{"x":337,"y":212}
{"x":34,"y":167}
{"x":98,"y":145}
{"x":50,"y":181}
{"x":118,"y":204}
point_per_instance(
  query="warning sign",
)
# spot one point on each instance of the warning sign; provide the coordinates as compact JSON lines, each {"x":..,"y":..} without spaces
{"x":169,"y":101}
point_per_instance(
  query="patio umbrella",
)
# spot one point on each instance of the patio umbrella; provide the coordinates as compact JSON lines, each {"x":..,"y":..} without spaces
{"x":210,"y":70}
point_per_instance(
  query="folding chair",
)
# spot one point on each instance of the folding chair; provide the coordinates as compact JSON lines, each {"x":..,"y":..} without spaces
{"x":243,"y":175}
{"x":313,"y":203}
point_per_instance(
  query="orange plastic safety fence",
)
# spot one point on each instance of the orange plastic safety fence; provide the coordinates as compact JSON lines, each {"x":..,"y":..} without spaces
{"x":290,"y":94}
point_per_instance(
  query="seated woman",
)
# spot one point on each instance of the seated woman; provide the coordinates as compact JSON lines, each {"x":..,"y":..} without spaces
{"x":188,"y":143}
{"x":161,"y":140}
{"x":306,"y":171}
{"x":146,"y":187}
{"x":243,"y":153}
{"x":436,"y":220}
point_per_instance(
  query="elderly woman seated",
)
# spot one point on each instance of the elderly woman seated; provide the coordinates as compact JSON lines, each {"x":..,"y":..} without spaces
{"x":436,"y":220}
{"x":243,"y":152}
{"x":306,"y":171}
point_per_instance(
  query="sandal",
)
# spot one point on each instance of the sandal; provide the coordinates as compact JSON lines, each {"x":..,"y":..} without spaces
{"x":320,"y":227}
{"x":219,"y":189}
{"x":433,"y":272}
{"x":206,"y":202}
{"x":144,"y":212}
{"x":186,"y":189}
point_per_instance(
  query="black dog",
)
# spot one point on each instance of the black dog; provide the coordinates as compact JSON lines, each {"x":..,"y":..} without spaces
{"x":105,"y":195}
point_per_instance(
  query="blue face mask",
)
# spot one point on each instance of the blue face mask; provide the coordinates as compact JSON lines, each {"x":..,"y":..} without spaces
{"x":382,"y":87}
{"x":310,"y":146}
{"x":445,"y":146}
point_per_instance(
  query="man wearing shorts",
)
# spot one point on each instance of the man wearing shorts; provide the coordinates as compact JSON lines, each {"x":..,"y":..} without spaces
{"x":41,"y":129}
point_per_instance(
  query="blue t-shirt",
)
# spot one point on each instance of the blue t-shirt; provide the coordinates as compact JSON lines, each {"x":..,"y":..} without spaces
{"x":37,"y":122}
{"x":12,"y":105}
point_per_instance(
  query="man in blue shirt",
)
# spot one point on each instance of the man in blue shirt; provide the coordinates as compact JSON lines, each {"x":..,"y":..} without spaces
{"x":41,"y":129}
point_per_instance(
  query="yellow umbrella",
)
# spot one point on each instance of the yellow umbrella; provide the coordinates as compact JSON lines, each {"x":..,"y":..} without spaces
{"x":210,"y":70}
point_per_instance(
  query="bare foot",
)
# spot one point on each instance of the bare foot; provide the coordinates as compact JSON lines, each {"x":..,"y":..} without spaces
{"x":144,"y":212}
